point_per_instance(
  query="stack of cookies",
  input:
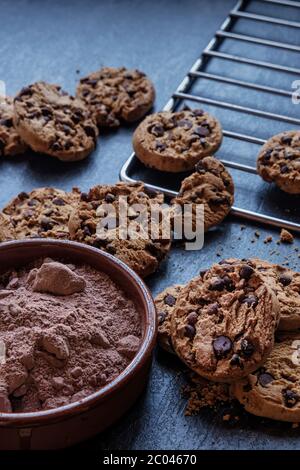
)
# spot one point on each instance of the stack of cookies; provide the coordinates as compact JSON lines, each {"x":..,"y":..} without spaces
{"x":238,"y":323}
{"x":48,"y":120}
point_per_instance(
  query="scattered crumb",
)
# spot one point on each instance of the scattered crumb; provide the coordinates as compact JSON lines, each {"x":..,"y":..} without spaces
{"x":268,"y":239}
{"x":243,"y":227}
{"x":257,"y":234}
{"x":286,"y":237}
{"x":226,"y":417}
{"x":202,"y":394}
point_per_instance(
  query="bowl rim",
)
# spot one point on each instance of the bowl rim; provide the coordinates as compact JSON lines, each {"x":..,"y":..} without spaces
{"x":38,"y":417}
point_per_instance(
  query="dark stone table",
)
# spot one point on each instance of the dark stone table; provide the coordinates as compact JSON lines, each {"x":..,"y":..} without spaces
{"x":62,"y":41}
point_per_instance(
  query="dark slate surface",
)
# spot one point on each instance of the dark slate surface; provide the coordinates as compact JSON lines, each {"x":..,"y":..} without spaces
{"x":53,"y":40}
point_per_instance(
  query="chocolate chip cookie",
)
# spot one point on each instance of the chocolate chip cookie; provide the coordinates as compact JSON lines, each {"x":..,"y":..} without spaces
{"x":52,"y":122}
{"x":165,"y":303}
{"x":10,"y":142}
{"x":224,"y":321}
{"x":98,"y":222}
{"x":176,"y":141}
{"x":273,"y":391}
{"x":210,"y":185}
{"x":116,"y":94}
{"x":43,"y":212}
{"x":279,"y":161}
{"x":286,"y":284}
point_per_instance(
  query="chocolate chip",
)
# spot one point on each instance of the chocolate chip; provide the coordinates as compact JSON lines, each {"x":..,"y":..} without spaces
{"x":198,"y":112}
{"x":160,"y":146}
{"x":265,"y":379}
{"x":284,"y":169}
{"x":290,"y":398}
{"x":285,"y":279}
{"x":228,"y":283}
{"x":23,"y":196}
{"x":58,"y":201}
{"x":213,"y":309}
{"x":157,"y":130}
{"x":192,"y":318}
{"x":222,"y":345}
{"x":33,"y":202}
{"x":84,"y":197}
{"x":247,"y":348}
{"x":267,"y":156}
{"x":246,"y":272}
{"x":109,"y":197}
{"x":185,"y":123}
{"x":6,"y":122}
{"x":218,"y":284}
{"x":286,"y":140}
{"x":87,"y":231}
{"x":56,"y":146}
{"x":161,"y":317}
{"x":46,"y":223}
{"x":26,"y":91}
{"x":200,"y":168}
{"x":46,"y":112}
{"x":189,"y":331}
{"x":250,"y":300}
{"x":170,"y":300}
{"x":201,"y":131}
{"x":90,"y":132}
{"x":236,"y":360}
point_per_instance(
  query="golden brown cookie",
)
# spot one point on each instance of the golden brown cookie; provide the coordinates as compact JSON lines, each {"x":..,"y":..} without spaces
{"x":43,"y":212}
{"x":52,"y":122}
{"x":165,"y":303}
{"x":286,"y":284}
{"x":117,"y":94}
{"x":176,"y":141}
{"x":279,"y":161}
{"x":273,"y":391}
{"x":94,"y":223}
{"x":210,"y":185}
{"x":224,"y":322}
{"x":10,"y":142}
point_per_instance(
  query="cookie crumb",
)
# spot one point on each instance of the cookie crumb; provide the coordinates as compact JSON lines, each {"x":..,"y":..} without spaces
{"x":257,"y":234}
{"x":268,"y":239}
{"x":204,"y":394}
{"x":286,"y":237}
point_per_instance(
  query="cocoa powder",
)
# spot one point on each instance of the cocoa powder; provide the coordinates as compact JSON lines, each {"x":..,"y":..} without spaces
{"x":65,"y":332}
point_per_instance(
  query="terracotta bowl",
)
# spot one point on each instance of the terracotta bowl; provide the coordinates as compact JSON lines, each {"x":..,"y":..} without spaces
{"x":67,"y":425}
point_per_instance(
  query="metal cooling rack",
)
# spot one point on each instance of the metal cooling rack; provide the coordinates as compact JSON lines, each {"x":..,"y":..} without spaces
{"x":197,"y":72}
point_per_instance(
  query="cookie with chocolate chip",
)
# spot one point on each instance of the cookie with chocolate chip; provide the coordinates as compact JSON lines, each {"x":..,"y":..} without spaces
{"x":52,"y":122}
{"x":279,"y":161}
{"x":11,"y":143}
{"x":175,"y":142}
{"x":224,"y":322}
{"x":43,"y":212}
{"x":165,"y":303}
{"x":286,"y":284}
{"x":119,"y":220}
{"x":210,"y":185}
{"x":114,"y":95}
{"x":273,"y":391}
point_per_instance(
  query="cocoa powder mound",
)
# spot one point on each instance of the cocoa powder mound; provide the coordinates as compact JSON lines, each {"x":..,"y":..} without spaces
{"x":65,"y":332}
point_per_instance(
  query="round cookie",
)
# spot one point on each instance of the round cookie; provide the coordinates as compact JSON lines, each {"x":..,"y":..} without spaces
{"x":94,"y":222}
{"x":165,"y":303}
{"x":175,"y":142}
{"x":286,"y":284}
{"x":224,"y":322}
{"x":52,"y":122}
{"x":10,"y":142}
{"x":116,"y":94}
{"x":43,"y":212}
{"x":279,"y":161}
{"x":273,"y":391}
{"x":210,"y":185}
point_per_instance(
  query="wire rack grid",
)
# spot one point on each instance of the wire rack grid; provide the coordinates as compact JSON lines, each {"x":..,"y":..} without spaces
{"x":198,"y":72}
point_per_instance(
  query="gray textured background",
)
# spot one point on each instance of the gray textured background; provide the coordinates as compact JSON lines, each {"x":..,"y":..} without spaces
{"x":53,"y":40}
